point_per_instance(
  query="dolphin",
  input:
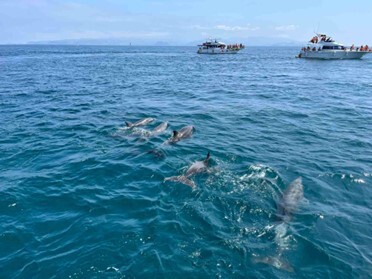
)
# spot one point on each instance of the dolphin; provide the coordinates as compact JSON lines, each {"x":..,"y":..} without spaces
{"x":184,"y":133}
{"x":160,"y":128}
{"x":141,"y":122}
{"x":290,"y":200}
{"x":146,"y":133}
{"x":196,"y":167}
{"x":276,"y":262}
{"x":286,"y":206}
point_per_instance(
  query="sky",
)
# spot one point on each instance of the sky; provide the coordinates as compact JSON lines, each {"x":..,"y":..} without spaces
{"x":180,"y":22}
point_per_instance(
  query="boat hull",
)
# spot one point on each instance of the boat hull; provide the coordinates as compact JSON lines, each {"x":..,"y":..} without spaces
{"x":217,"y":51}
{"x":332,"y":54}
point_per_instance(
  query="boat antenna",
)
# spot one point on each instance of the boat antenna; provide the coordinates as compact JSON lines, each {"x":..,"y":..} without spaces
{"x":317,"y":29}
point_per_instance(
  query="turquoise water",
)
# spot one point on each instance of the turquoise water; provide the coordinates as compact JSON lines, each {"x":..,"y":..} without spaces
{"x":82,"y":197}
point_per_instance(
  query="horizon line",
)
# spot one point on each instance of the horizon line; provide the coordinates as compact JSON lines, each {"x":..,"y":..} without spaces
{"x":126,"y":45}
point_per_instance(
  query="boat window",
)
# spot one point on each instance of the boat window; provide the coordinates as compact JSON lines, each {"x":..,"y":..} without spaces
{"x":333,"y":47}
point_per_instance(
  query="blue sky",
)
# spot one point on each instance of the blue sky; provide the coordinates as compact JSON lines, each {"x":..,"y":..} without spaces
{"x":179,"y":22}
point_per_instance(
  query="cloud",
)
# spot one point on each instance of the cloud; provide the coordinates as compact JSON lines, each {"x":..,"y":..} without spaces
{"x":236,"y":28}
{"x":199,"y":27}
{"x":290,"y":27}
{"x":224,"y":27}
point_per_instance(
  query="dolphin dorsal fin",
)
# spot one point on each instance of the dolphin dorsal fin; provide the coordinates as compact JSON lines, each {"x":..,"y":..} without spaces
{"x":206,"y":160}
{"x":175,"y":133}
{"x":128,"y":124}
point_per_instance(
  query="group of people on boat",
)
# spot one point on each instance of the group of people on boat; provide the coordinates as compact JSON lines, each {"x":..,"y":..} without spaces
{"x":361,"y":48}
{"x":235,"y":46}
{"x":311,"y":49}
{"x":321,"y":38}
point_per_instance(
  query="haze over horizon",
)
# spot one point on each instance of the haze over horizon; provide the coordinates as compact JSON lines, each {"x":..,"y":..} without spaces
{"x":182,"y":22}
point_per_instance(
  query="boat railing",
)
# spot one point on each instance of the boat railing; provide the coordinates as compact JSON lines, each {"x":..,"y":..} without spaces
{"x":342,"y":48}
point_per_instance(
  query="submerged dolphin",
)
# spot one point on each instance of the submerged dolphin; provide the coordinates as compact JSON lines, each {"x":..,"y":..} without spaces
{"x":286,"y":206}
{"x":184,"y":133}
{"x":141,"y":122}
{"x":196,"y":167}
{"x":146,"y":133}
{"x":290,"y":200}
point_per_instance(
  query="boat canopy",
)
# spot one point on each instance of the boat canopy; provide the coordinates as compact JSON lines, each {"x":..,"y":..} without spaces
{"x":319,"y":38}
{"x":214,"y":43}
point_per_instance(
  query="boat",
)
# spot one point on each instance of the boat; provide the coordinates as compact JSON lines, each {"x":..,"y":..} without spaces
{"x":323,"y":47}
{"x":217,"y":47}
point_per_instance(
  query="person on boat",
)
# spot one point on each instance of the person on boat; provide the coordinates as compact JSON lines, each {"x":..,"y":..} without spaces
{"x":352,"y":47}
{"x":362,"y":48}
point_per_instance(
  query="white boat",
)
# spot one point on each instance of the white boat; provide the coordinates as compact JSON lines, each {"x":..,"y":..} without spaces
{"x":324,"y":47}
{"x":217,"y":47}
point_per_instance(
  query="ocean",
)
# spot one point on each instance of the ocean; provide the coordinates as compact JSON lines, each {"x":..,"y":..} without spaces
{"x":82,"y":196}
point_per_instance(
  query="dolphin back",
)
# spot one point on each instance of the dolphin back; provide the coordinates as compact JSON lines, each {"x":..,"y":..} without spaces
{"x":128,"y":124}
{"x":161,"y":127}
{"x":291,"y":198}
{"x":186,"y":131}
{"x":206,"y":160}
{"x":141,"y":122}
{"x":183,"y":133}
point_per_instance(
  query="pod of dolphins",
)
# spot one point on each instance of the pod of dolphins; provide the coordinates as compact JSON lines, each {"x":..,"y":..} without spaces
{"x":286,"y":206}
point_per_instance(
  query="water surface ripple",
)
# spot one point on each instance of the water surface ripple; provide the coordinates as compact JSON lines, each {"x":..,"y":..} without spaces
{"x":81,"y":197}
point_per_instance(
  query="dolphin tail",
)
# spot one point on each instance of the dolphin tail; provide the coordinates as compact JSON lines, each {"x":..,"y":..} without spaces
{"x":128,"y":124}
{"x":206,"y":160}
{"x":181,"y":179}
{"x":276,"y":261}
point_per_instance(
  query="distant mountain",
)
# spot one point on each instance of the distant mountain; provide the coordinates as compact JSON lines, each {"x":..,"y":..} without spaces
{"x":82,"y":42}
{"x":109,"y":41}
{"x":256,"y":41}
{"x":249,"y":41}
